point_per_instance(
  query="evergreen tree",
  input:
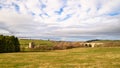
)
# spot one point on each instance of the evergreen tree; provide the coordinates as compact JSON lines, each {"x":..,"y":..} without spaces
{"x":17,"y":45}
{"x":9,"y":44}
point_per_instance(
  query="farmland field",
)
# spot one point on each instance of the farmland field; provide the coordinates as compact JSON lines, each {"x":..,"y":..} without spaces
{"x":107,"y":57}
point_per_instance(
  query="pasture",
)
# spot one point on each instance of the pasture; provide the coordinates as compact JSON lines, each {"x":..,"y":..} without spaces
{"x":107,"y":57}
{"x":25,"y":42}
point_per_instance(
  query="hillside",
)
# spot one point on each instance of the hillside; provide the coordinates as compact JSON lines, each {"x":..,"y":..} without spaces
{"x":25,"y":42}
{"x":47,"y":45}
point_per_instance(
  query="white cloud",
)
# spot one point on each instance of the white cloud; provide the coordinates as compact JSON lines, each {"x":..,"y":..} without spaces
{"x":76,"y":18}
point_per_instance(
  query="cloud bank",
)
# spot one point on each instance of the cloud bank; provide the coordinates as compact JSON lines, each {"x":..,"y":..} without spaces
{"x":61,"y":19}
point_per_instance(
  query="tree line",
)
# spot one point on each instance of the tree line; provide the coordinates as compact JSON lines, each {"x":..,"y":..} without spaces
{"x":9,"y":44}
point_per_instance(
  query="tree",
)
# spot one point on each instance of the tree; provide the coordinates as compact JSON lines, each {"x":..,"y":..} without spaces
{"x":9,"y":44}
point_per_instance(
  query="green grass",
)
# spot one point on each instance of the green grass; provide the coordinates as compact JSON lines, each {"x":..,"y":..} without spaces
{"x":71,"y":58}
{"x":25,"y":42}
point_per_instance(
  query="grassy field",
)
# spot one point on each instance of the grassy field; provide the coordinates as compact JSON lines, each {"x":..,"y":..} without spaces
{"x":25,"y":42}
{"x":71,"y":58}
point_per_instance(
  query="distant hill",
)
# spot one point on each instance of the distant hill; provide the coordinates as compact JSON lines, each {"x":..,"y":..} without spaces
{"x":100,"y":40}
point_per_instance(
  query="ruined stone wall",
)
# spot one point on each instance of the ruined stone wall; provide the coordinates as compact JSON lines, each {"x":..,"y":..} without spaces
{"x":91,"y":44}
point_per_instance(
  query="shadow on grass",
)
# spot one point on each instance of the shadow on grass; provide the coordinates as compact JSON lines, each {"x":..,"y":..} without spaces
{"x":35,"y":51}
{"x":27,"y":51}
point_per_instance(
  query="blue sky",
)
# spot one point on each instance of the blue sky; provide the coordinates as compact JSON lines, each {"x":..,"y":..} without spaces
{"x":70,"y":20}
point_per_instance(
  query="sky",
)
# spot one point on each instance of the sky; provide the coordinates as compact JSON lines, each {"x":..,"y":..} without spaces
{"x":66,"y":20}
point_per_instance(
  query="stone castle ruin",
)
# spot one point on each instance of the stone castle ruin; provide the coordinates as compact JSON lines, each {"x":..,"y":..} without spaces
{"x":31,"y":45}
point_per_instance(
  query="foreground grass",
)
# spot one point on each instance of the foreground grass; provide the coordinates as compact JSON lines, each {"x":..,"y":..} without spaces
{"x":72,"y":58}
